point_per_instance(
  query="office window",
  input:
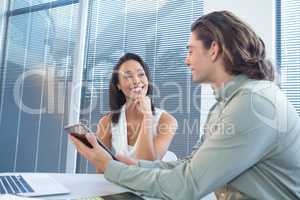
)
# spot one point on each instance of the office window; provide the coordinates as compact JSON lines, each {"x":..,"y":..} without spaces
{"x":2,"y":18}
{"x":158,"y":31}
{"x":18,"y":4}
{"x":288,"y":48}
{"x":35,"y":81}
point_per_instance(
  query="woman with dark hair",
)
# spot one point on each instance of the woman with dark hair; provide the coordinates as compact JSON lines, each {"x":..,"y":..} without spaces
{"x":134,"y":126}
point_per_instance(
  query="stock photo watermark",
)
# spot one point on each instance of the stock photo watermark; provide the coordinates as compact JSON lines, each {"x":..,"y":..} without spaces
{"x":56,"y":87}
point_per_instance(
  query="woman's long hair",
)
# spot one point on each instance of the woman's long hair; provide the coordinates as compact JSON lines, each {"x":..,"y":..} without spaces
{"x":242,"y":50}
{"x":116,"y":97}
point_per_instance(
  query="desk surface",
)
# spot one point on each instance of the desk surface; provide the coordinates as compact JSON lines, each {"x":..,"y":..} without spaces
{"x":90,"y":185}
{"x":84,"y":185}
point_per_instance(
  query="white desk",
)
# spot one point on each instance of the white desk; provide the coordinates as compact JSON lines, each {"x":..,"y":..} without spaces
{"x":90,"y":185}
{"x":85,"y":185}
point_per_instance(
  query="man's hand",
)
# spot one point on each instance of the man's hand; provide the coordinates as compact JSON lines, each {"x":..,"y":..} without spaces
{"x":126,"y":159}
{"x":96,"y":155}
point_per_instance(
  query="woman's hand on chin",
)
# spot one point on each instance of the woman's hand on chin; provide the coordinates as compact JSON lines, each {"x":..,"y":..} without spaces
{"x":143,"y":105}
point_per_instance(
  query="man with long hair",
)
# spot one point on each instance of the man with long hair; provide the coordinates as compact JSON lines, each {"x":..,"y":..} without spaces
{"x":251,"y":141}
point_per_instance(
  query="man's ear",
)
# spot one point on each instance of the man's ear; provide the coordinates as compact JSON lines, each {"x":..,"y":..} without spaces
{"x":214,"y":51}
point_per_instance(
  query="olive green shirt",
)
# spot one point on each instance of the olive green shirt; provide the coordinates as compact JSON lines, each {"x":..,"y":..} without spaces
{"x":250,"y":149}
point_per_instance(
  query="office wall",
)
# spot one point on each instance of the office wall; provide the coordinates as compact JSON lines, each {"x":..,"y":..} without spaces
{"x":258,"y":14}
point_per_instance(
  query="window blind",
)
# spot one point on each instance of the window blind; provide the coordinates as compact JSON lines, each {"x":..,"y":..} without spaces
{"x":288,"y":48}
{"x":35,"y":86}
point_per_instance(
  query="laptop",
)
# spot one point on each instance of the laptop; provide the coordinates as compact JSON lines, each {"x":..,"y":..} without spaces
{"x":30,"y":185}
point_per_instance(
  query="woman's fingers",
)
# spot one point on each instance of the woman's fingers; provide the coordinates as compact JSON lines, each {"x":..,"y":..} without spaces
{"x":137,"y":101}
{"x":141,"y":102}
{"x":135,"y":95}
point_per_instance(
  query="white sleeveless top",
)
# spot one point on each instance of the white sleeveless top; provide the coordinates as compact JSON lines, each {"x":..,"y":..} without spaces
{"x":119,"y":132}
